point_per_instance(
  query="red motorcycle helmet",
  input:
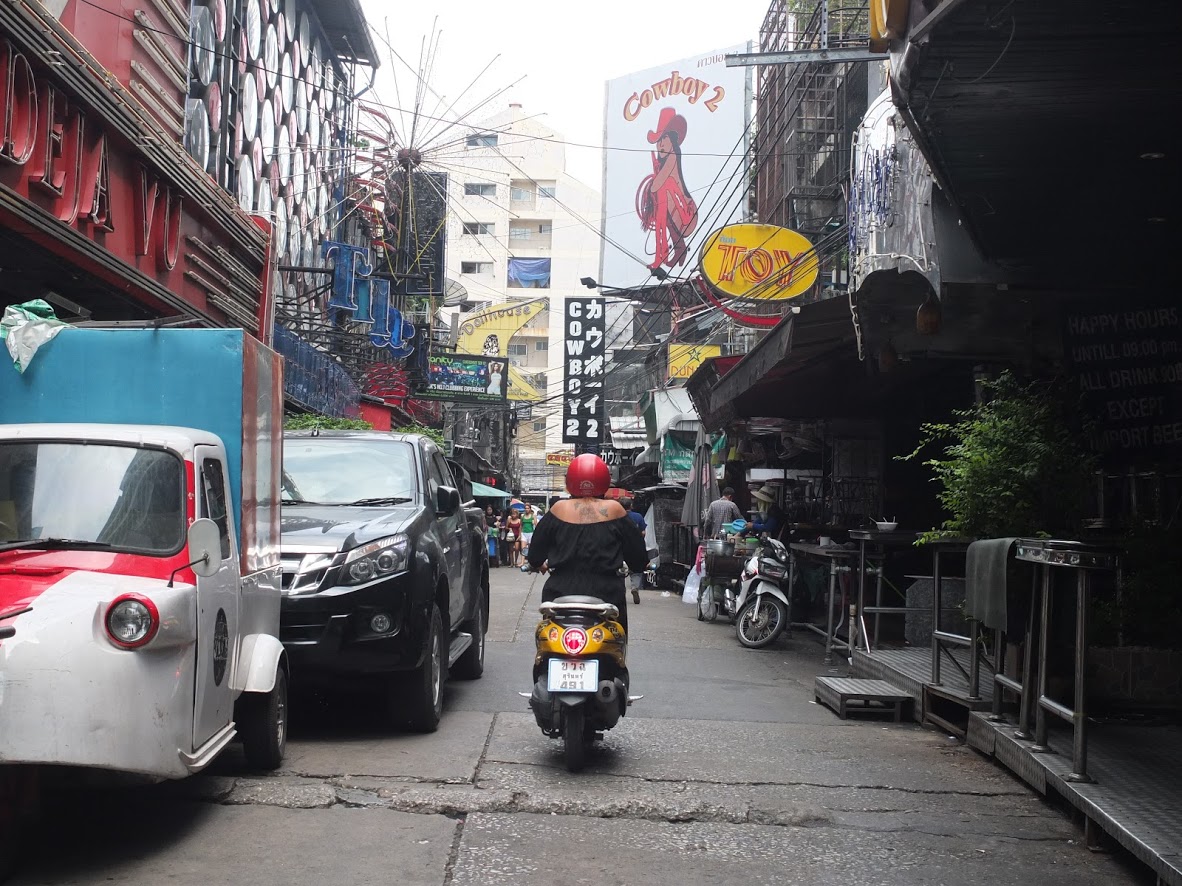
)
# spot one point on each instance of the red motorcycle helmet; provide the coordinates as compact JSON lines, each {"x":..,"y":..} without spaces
{"x":588,"y":476}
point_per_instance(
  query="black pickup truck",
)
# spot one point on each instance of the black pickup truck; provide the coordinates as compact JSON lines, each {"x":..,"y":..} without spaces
{"x":385,"y":571}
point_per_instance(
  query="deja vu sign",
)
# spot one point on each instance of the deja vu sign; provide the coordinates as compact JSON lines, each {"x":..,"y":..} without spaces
{"x":583,"y":351}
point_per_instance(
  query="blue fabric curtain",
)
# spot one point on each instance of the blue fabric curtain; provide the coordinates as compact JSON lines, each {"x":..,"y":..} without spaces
{"x":530,"y":273}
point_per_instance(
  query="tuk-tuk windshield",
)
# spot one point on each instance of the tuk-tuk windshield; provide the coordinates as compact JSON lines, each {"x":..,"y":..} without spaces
{"x":97,"y":495}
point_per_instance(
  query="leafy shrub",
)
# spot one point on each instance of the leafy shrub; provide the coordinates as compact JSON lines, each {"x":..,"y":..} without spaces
{"x":1014,"y":464}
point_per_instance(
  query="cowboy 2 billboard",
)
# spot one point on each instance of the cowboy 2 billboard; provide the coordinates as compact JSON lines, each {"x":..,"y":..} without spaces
{"x":675,"y":164}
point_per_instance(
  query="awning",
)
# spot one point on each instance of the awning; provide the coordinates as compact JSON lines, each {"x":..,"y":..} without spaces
{"x":479,"y":490}
{"x":817,"y":349}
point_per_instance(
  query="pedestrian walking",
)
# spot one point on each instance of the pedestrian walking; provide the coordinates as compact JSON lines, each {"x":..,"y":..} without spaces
{"x":635,"y":578}
{"x":721,"y":512}
{"x":513,"y":525}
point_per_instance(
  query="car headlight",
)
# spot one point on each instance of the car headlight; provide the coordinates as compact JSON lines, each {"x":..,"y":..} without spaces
{"x":377,"y":559}
{"x":132,"y":620}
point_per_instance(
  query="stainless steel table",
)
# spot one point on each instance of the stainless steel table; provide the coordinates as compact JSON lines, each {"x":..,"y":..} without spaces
{"x":872,"y":544}
{"x":839,"y":560}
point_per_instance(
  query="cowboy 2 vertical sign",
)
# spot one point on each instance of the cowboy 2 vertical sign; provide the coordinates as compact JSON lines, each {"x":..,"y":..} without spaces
{"x":584,"y":358}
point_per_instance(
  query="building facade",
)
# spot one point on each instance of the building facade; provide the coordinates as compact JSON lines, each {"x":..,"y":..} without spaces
{"x":521,"y":229}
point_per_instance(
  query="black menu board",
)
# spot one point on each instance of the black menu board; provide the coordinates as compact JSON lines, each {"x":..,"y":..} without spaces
{"x":1127,"y":359}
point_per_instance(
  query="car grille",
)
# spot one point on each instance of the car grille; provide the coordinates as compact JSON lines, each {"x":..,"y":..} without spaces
{"x":304,"y":573}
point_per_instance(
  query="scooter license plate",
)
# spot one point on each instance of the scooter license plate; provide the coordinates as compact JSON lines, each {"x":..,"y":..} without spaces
{"x":573,"y":675}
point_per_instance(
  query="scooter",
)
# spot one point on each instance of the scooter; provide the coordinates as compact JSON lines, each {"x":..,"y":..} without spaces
{"x":580,"y":673}
{"x":762,"y":609}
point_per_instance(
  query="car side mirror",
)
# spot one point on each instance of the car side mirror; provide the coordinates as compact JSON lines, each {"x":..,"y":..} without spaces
{"x":205,"y":547}
{"x":447,"y":500}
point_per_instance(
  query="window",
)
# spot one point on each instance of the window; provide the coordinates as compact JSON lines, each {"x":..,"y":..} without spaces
{"x":479,"y":189}
{"x":529,"y":273}
{"x":476,"y":267}
{"x":520,"y":233}
{"x":546,"y":191}
{"x":518,"y":350}
{"x":213,"y":501}
{"x":546,"y":228}
{"x":342,"y":470}
{"x":540,"y":425}
{"x":482,"y":140}
{"x":541,"y":345}
{"x":478,"y":227}
{"x":521,"y":195}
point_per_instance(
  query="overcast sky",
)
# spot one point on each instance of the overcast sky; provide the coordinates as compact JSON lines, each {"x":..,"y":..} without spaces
{"x":564,"y":51}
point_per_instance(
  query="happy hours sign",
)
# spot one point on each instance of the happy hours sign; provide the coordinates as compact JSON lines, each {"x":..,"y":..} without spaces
{"x":583,"y":353}
{"x":1128,"y":362}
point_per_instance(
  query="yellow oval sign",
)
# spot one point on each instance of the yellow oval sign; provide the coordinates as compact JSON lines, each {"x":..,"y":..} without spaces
{"x":759,"y":262}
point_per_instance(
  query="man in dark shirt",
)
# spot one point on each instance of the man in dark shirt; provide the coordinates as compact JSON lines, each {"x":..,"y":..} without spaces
{"x":636,"y":578}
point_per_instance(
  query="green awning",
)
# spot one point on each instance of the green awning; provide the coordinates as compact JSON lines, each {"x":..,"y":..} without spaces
{"x":479,"y":490}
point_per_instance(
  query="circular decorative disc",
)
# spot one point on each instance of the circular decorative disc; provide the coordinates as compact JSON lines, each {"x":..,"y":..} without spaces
{"x":281,"y":32}
{"x":260,"y":81}
{"x":273,"y":176}
{"x":245,"y":184}
{"x":294,"y":243}
{"x":271,"y":57}
{"x":219,"y":19}
{"x":314,"y":125}
{"x":201,"y":37}
{"x":242,"y":53}
{"x":287,"y":84}
{"x":279,"y":231}
{"x":213,"y":104}
{"x":277,"y":105}
{"x":326,"y":212}
{"x":301,"y":106}
{"x":297,"y":173}
{"x":308,"y":256}
{"x":253,"y":28}
{"x":289,"y":13}
{"x":262,"y":200}
{"x":250,"y":108}
{"x":305,"y":31}
{"x":283,"y":155}
{"x":267,"y":131}
{"x":256,"y":158}
{"x":197,"y":131}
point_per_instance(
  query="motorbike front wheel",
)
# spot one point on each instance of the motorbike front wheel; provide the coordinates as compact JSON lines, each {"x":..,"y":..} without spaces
{"x":573,"y":737}
{"x":761,"y":621}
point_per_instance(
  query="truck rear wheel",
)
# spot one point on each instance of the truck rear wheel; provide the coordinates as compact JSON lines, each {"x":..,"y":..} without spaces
{"x":263,"y":725}
{"x":417,"y":698}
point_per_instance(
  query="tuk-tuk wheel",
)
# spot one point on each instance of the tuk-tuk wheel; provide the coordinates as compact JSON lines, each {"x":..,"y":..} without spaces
{"x":263,"y":725}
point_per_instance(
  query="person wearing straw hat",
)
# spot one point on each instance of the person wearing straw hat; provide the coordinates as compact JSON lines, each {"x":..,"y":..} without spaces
{"x":768,"y":518}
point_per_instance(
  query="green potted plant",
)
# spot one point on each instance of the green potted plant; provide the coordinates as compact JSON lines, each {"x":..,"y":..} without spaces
{"x":1012,"y":464}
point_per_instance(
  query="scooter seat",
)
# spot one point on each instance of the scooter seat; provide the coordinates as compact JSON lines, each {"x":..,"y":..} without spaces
{"x":581,"y":600}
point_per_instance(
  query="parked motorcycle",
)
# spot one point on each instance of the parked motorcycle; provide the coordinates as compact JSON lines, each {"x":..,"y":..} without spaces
{"x":763,"y":607}
{"x":580,"y":673}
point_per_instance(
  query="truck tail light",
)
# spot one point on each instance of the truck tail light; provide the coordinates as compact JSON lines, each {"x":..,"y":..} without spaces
{"x":132,"y":620}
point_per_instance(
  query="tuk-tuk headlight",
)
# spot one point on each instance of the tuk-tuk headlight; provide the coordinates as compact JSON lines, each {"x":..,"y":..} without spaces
{"x":377,"y":559}
{"x":132,"y":620}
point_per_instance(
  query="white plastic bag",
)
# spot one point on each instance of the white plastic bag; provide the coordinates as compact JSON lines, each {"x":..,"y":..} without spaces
{"x":693,"y":582}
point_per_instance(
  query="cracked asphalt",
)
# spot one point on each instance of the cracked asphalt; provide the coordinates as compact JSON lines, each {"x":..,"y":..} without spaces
{"x":726,"y":772}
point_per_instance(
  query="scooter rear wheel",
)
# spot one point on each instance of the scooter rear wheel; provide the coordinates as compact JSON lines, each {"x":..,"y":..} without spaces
{"x":573,"y":737}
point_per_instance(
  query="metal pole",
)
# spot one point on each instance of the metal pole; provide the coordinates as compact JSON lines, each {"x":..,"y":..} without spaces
{"x":1028,"y":688}
{"x":878,"y":594}
{"x":829,"y":612}
{"x":999,"y":651}
{"x":974,"y":661}
{"x":862,"y":579}
{"x":1044,"y":642}
{"x":935,"y":615}
{"x":1079,"y":768}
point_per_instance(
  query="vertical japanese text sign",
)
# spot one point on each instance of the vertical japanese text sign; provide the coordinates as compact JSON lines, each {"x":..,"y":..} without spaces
{"x":583,"y":353}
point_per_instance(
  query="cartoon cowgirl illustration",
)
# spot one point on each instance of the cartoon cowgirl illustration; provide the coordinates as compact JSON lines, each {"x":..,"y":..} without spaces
{"x":662,"y":201}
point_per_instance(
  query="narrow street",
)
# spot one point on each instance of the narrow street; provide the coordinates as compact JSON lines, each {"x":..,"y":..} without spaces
{"x":725,"y":772}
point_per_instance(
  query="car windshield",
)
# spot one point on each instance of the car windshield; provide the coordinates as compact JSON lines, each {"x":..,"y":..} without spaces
{"x":347,"y":470}
{"x":107,"y":495}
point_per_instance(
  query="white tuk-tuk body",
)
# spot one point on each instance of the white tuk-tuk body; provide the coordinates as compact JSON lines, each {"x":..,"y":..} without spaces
{"x":71,"y":691}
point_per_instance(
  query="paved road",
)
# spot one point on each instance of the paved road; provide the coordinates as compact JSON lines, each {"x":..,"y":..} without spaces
{"x":726,"y":772}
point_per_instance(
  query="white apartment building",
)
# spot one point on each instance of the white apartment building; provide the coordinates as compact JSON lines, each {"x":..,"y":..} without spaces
{"x":519,"y":227}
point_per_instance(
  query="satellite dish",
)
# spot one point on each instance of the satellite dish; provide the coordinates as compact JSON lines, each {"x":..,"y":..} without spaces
{"x":454,"y":294}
